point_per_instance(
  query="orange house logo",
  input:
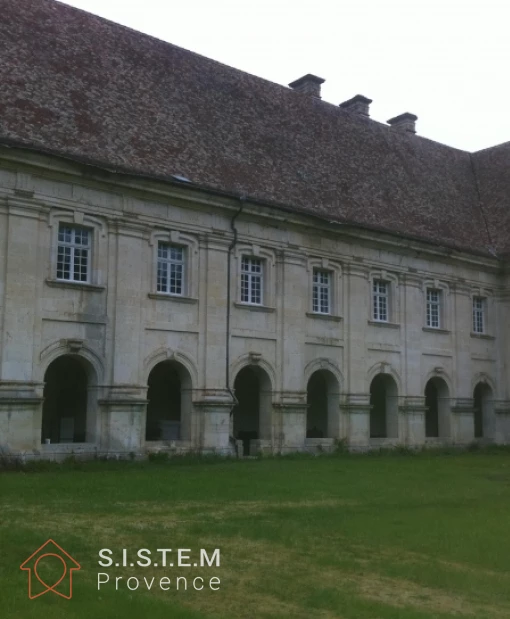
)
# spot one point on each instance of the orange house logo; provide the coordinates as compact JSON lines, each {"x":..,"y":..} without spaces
{"x":63,"y":582}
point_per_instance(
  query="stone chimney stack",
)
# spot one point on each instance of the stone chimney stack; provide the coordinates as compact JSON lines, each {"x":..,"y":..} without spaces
{"x":405,"y":122}
{"x":357,"y":105}
{"x":309,"y":85}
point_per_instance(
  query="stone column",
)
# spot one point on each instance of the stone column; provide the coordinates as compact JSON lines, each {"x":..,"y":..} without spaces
{"x":357,"y":313}
{"x":122,"y":421}
{"x":213,"y":407}
{"x":20,"y":417}
{"x":291,"y":411}
{"x":502,"y":422}
{"x":463,"y":426}
{"x":413,"y":410}
{"x":357,"y":409}
{"x":127,"y":285}
{"x":213,"y":318}
{"x":293,"y":307}
{"x":21,"y":275}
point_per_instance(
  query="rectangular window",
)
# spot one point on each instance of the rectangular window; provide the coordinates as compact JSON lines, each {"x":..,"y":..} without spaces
{"x":171,"y":264}
{"x":252,"y":272}
{"x":321,"y":296}
{"x":380,"y":292}
{"x":73,"y":253}
{"x":478,"y":315}
{"x":433,"y":308}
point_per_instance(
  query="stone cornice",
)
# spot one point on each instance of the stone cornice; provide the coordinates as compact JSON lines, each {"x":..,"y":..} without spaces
{"x":201,"y":197}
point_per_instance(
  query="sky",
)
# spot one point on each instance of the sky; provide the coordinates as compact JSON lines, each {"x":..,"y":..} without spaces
{"x":447,"y":61}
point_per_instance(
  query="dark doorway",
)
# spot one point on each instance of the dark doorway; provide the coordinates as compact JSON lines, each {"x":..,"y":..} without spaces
{"x":437,"y":412}
{"x":322,"y":399}
{"x":383,"y":407}
{"x":483,"y":404}
{"x":378,"y":408}
{"x":164,"y":403}
{"x":478,"y":410}
{"x":432,"y":410}
{"x":64,"y":417}
{"x":247,"y":388}
{"x":317,"y":402}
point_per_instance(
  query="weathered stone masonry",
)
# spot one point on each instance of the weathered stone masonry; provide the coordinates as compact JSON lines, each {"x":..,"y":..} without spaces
{"x":119,"y":328}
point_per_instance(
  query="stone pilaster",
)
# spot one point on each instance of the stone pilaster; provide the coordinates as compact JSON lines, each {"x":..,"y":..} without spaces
{"x":291,"y":410}
{"x":20,"y":416}
{"x":357,"y":410}
{"x":412,"y":411}
{"x":122,"y":418}
{"x":463,"y":421}
{"x":214,"y":407}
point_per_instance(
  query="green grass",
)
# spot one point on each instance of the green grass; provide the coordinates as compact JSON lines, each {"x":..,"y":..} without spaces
{"x":351,"y":537}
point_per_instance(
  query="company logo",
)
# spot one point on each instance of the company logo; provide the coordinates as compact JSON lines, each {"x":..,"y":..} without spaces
{"x":50,"y":568}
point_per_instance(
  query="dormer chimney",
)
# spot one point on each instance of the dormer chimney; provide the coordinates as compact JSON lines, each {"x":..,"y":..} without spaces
{"x":405,"y":122}
{"x":309,"y":85}
{"x":357,"y":105}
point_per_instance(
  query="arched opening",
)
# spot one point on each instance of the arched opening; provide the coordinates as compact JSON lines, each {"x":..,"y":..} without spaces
{"x":322,"y":405}
{"x":437,"y":411}
{"x":66,"y":401}
{"x":252,"y":413}
{"x":383,"y":407}
{"x":169,"y":403}
{"x":483,"y":409}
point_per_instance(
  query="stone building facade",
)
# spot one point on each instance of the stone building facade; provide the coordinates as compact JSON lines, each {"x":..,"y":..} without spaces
{"x":143,"y":310}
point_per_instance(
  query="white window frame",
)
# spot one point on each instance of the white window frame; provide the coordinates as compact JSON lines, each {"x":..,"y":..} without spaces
{"x":479,"y":317}
{"x":434,"y":308}
{"x":98,"y":247}
{"x":74,"y":254}
{"x":268,"y":258}
{"x":171,"y":264}
{"x":445,"y":308}
{"x":378,"y":295}
{"x":252,"y":280}
{"x":190,"y":253}
{"x":317,"y":264}
{"x":322,"y":291}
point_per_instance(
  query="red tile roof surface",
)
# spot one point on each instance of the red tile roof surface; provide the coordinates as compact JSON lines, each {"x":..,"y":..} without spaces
{"x":78,"y":85}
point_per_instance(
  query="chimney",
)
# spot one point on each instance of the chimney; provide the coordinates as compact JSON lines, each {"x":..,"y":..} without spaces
{"x":309,"y":85}
{"x":405,"y":123}
{"x":357,"y":105}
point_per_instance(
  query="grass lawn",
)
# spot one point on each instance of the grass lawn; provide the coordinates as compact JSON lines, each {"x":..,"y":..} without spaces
{"x":352,"y":537}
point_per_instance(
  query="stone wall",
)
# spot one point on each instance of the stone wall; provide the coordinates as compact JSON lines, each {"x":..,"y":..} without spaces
{"x":120,"y":327}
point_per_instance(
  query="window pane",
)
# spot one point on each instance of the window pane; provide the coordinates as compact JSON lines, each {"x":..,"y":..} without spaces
{"x":321,"y":291}
{"x":170,"y":269}
{"x":73,"y":259}
{"x":380,"y":300}
{"x":251,"y":280}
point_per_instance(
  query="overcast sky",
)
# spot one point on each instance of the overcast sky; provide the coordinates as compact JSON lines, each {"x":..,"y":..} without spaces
{"x":447,"y":61}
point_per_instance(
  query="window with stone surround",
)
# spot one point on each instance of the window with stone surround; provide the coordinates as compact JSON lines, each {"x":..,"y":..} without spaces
{"x":171,"y":269}
{"x":479,"y":314}
{"x":78,"y":250}
{"x":252,"y":280}
{"x":321,"y":291}
{"x":380,"y":300}
{"x":434,"y":308}
{"x":73,"y":253}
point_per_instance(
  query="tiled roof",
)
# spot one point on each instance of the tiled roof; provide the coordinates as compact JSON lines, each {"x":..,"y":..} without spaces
{"x":492,"y":167}
{"x":81,"y":86}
